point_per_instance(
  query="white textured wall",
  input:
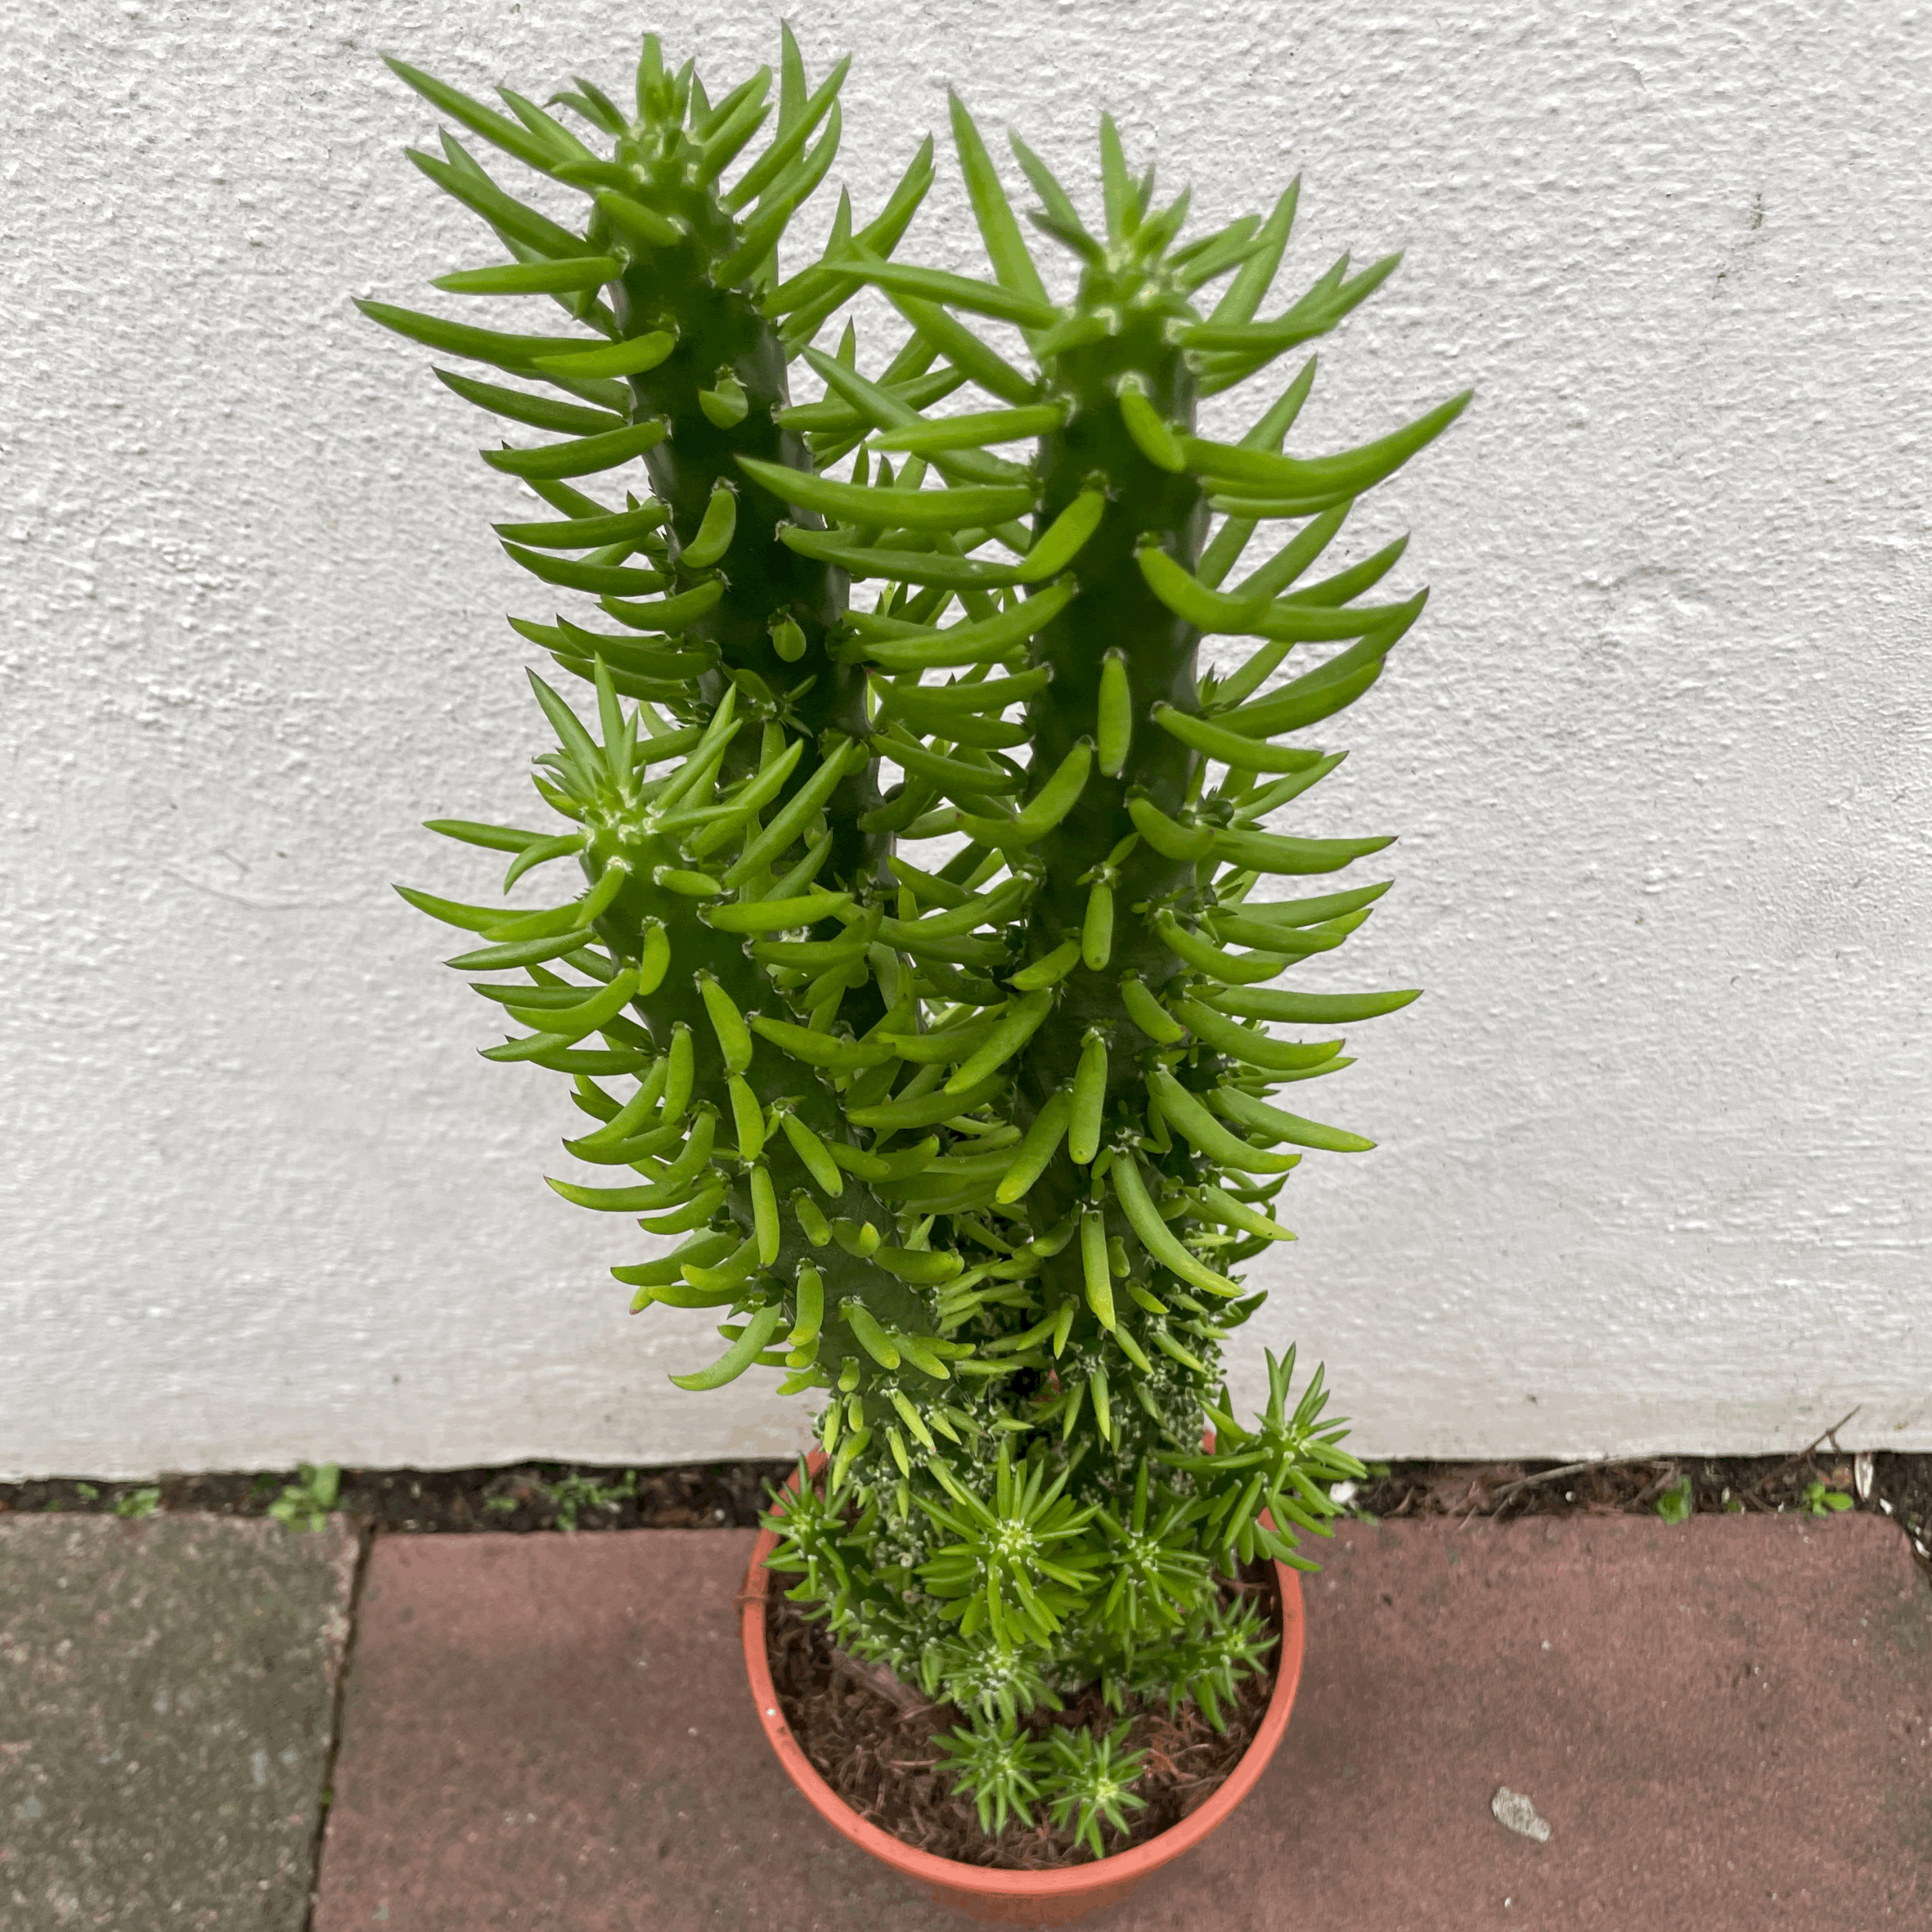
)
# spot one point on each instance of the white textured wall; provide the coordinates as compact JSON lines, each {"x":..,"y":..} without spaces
{"x":1656,"y":1148}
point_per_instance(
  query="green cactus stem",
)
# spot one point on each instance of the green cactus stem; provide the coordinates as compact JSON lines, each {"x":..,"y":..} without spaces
{"x":721,"y":946}
{"x":1115,"y":1044}
{"x":954,"y":1092}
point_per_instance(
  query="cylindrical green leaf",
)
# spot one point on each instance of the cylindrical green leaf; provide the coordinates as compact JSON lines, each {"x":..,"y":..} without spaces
{"x":1154,"y":439}
{"x":636,"y":355}
{"x":1097,"y":929}
{"x":656,"y":960}
{"x":734,"y":1041}
{"x":747,"y":1117}
{"x":1041,"y":1142}
{"x":630,"y":217}
{"x":1089,"y":1095}
{"x":1115,"y":731}
{"x":533,"y":278}
{"x":810,"y":1303}
{"x":764,"y":1211}
{"x":740,"y":1356}
{"x":1156,"y":1237}
{"x":870,"y":1336}
{"x":681,"y":1062}
{"x":725,"y":405}
{"x":582,"y":456}
{"x":715,"y":531}
{"x":1009,"y":1036}
{"x":811,"y":1150}
{"x":1050,"y":969}
{"x":1148,"y":1013}
{"x":1093,"y":1263}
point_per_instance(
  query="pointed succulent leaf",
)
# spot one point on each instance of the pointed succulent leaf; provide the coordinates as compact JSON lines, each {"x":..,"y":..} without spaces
{"x":497,"y":129}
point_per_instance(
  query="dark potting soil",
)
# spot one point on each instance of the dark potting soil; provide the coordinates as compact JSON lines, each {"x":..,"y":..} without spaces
{"x":1820,"y":1480}
{"x":871,"y":1738}
{"x":529,"y":1496}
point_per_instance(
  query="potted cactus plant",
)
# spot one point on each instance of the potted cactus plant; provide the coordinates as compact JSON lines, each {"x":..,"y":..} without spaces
{"x":952,"y":1085}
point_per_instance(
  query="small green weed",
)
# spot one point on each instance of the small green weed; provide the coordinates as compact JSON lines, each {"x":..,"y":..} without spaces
{"x":1817,"y":1500}
{"x":1678,"y":1503}
{"x":568,"y":1495}
{"x":308,"y":1501}
{"x":138,"y":1502}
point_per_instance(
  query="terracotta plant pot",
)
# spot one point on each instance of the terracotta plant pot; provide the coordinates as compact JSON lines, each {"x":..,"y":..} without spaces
{"x":999,"y":1897}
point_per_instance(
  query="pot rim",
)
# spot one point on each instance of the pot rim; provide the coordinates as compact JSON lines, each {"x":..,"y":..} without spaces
{"x":1117,"y":1872}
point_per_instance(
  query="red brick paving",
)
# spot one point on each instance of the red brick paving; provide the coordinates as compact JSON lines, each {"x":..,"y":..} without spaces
{"x":1727,"y":1724}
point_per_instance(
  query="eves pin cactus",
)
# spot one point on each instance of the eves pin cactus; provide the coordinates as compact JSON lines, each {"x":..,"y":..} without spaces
{"x":972,"y":1147}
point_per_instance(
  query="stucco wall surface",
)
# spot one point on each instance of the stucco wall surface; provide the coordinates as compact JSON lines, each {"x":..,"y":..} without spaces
{"x":1654,"y":1150}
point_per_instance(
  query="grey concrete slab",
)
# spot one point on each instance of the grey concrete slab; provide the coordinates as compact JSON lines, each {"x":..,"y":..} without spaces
{"x":167,"y":1692}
